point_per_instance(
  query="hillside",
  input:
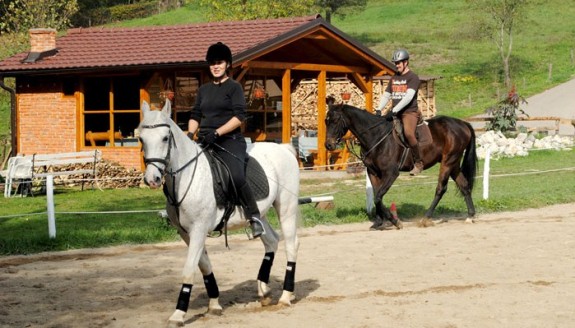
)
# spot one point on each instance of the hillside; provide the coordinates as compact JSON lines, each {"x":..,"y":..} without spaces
{"x":442,"y":41}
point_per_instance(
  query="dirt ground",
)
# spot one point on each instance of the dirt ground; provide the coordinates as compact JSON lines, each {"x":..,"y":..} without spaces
{"x":514,"y":269}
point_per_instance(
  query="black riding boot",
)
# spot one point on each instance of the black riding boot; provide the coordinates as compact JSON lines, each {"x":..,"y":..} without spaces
{"x":417,"y":162}
{"x":251,"y":210}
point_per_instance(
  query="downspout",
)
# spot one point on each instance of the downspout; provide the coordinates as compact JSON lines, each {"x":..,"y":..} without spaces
{"x":12,"y":115}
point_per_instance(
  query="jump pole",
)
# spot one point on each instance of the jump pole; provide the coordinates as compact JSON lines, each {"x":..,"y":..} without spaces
{"x":307,"y":200}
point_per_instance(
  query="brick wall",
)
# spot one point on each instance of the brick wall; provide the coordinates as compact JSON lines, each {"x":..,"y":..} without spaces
{"x":46,"y":121}
{"x":47,"y":124}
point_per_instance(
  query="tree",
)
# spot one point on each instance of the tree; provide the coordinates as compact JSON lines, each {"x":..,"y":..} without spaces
{"x":499,"y":24}
{"x":21,"y":15}
{"x":335,"y":7}
{"x":219,"y":10}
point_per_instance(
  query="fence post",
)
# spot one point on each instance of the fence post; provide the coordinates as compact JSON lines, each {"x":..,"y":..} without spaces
{"x":486,"y":174}
{"x":50,"y":206}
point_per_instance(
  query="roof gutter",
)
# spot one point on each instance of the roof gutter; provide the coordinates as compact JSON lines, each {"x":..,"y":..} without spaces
{"x":12,"y":114}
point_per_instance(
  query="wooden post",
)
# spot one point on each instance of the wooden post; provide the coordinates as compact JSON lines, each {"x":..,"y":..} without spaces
{"x":321,"y":111}
{"x":550,"y":75}
{"x":286,"y":106}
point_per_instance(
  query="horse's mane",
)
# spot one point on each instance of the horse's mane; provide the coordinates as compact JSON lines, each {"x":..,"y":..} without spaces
{"x":365,"y":118}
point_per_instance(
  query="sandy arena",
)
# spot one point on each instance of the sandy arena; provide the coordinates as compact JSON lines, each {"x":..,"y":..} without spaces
{"x":514,"y":269}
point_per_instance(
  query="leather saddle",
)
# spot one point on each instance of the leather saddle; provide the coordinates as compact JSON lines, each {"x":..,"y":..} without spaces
{"x":422,"y":133}
{"x":224,"y":189}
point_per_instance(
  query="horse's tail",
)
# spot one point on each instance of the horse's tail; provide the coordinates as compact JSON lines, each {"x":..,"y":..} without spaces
{"x":470,"y":164}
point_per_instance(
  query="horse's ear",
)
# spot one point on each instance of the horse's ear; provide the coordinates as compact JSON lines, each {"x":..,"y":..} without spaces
{"x":167,"y":108}
{"x":145,"y":107}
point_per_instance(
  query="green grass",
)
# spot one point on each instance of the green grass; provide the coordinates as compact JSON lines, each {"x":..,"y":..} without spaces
{"x":548,"y":182}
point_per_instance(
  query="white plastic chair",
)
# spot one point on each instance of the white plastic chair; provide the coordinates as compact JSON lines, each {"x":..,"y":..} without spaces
{"x":19,"y":169}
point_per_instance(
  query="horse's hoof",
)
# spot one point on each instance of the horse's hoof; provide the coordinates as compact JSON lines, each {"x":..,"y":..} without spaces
{"x":385,"y":225}
{"x":175,"y":324}
{"x":177,"y":319}
{"x":398,"y":224}
{"x":470,"y":220}
{"x":286,"y":298}
{"x":265,"y":301}
{"x":426,"y":222}
{"x":214,"y":307}
{"x":439,"y":221}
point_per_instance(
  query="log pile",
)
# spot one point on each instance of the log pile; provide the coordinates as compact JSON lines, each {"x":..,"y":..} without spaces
{"x":110,"y":175}
{"x":304,"y":99}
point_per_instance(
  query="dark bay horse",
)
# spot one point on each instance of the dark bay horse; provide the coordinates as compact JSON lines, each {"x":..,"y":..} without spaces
{"x":453,"y":147}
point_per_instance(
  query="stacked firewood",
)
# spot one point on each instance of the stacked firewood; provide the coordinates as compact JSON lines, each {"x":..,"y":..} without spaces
{"x":110,"y":175}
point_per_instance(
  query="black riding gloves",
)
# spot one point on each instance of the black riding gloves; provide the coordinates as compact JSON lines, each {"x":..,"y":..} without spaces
{"x":210,"y":138}
{"x":190,"y":135}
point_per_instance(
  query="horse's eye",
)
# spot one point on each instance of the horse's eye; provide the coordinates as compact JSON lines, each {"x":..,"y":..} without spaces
{"x":165,"y":139}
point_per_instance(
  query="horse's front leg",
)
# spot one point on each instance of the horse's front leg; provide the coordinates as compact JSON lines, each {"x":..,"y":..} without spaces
{"x":197,"y":238}
{"x":439,"y":190}
{"x":382,"y":214}
{"x":212,"y":289}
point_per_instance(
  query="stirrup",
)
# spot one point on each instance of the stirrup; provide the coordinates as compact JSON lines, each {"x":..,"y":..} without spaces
{"x":257,"y":227}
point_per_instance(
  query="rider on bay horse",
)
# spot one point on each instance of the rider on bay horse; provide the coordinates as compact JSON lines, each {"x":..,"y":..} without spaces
{"x":402,"y":90}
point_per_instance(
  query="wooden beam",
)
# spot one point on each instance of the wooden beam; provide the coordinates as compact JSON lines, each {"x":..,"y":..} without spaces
{"x":286,"y":106}
{"x":306,"y":67}
{"x":359,"y":81}
{"x":321,"y":129}
{"x":242,"y":74}
{"x":369,"y":94}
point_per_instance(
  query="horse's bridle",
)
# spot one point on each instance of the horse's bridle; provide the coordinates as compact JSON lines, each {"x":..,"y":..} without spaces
{"x":363,"y":131}
{"x":166,"y":161}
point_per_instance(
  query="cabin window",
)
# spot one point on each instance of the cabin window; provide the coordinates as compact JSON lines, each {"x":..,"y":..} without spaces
{"x":264,"y":108}
{"x":111,"y":111}
{"x":181,"y":88}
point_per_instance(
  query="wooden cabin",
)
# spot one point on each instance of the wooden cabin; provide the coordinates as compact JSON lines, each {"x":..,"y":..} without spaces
{"x":84,"y":90}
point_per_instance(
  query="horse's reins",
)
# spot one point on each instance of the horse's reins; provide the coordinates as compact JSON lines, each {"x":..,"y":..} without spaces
{"x":362,"y":157}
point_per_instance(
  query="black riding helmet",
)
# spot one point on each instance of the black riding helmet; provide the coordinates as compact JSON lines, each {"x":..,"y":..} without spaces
{"x":219,"y":51}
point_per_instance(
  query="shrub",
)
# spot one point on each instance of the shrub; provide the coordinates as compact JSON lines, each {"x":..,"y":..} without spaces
{"x":504,"y":114}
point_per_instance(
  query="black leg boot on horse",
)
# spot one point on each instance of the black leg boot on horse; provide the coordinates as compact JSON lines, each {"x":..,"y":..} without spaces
{"x":251,"y":210}
{"x":417,"y":162}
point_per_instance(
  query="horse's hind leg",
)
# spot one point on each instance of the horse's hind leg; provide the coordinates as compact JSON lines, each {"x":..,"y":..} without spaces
{"x":463,"y":186}
{"x":270,"y":240}
{"x":288,"y":215}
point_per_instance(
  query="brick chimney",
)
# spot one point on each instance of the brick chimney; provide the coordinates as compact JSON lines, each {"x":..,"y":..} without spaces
{"x":42,"y":44}
{"x":42,"y":39}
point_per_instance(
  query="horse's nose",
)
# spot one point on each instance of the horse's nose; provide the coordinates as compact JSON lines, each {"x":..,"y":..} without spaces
{"x":329,"y":145}
{"x":153,"y":182}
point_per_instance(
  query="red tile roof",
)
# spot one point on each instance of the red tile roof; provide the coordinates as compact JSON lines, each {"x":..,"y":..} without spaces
{"x":89,"y":48}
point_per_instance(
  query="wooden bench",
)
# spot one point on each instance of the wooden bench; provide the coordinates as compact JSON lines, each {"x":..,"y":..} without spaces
{"x":26,"y":169}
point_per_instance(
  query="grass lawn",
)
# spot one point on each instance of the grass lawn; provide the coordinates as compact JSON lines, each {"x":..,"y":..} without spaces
{"x":87,"y":219}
